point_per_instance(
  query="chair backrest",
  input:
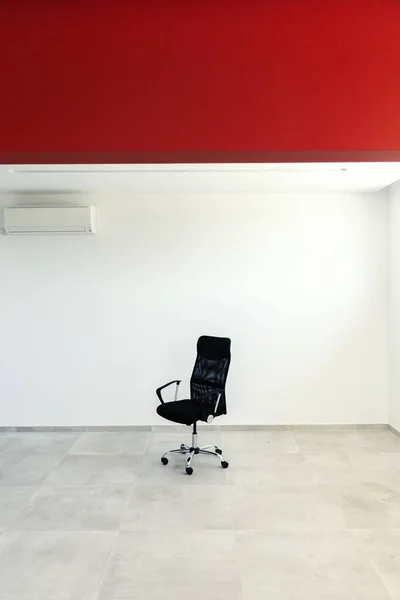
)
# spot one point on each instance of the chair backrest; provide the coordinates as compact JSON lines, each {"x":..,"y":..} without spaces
{"x":211,"y":370}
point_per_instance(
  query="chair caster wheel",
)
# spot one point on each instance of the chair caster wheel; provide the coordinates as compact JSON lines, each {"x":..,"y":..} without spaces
{"x":164,"y":460}
{"x":224,"y":464}
{"x":218,"y":451}
{"x":189,"y":470}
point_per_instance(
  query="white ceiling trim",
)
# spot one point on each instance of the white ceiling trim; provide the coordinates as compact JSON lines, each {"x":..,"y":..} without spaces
{"x":200,"y":178}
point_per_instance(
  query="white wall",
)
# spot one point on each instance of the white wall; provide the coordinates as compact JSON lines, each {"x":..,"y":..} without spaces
{"x":394,"y":305}
{"x":91,"y":325}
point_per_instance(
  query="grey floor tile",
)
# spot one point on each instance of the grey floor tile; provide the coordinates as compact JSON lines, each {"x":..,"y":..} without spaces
{"x":27,"y":458}
{"x":12,"y":500}
{"x":27,"y":469}
{"x":53,"y":565}
{"x":95,"y":470}
{"x":163,"y":561}
{"x":375,"y":461}
{"x":258,"y":442}
{"x":306,"y":566}
{"x":353,"y":476}
{"x":317,"y":515}
{"x":318,"y":442}
{"x":329,"y":461}
{"x":23,"y":444}
{"x":74,"y":509}
{"x":379,"y":441}
{"x":179,"y":508}
{"x":156,"y":590}
{"x":111,"y":443}
{"x":371,"y":506}
{"x":356,"y":468}
{"x":305,"y":592}
{"x":275,"y":469}
{"x":275,"y":508}
{"x":383,"y":549}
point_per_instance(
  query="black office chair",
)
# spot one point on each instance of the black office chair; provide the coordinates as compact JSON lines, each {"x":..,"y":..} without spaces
{"x":207,"y":397}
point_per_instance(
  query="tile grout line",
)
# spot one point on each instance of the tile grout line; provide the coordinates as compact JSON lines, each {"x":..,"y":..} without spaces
{"x":379,"y":576}
{"x":107,"y":567}
{"x":293,"y":437}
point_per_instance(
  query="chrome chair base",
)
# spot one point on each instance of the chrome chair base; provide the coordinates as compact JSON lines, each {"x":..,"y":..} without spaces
{"x":193,"y":451}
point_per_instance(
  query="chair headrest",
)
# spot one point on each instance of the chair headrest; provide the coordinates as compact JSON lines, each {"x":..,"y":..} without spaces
{"x":214,"y":348}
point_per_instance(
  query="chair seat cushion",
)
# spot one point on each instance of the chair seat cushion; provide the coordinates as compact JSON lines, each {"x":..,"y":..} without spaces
{"x":186,"y":412}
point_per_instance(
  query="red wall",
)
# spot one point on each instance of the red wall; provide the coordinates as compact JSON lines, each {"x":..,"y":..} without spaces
{"x":182,"y":80}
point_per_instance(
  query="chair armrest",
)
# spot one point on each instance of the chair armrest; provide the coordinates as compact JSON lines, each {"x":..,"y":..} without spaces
{"x":159,"y":390}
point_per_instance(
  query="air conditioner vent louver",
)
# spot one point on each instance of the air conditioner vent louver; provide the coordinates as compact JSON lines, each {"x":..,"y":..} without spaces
{"x":25,"y":220}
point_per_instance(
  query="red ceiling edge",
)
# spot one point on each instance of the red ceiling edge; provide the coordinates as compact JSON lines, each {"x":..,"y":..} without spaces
{"x":191,"y":157}
{"x":227,"y":81}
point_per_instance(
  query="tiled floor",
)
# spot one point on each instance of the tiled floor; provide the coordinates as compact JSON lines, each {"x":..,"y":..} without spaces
{"x":297,"y":516}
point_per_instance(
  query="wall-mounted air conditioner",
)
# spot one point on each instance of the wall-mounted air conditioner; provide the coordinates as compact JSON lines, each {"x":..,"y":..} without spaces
{"x":23,"y":220}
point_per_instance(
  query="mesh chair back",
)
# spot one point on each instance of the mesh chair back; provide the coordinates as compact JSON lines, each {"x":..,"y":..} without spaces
{"x":211,"y":371}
